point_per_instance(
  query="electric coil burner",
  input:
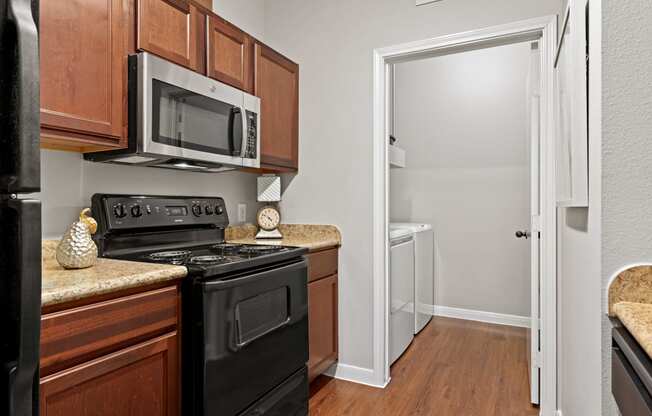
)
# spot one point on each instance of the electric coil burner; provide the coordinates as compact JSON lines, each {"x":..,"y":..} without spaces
{"x":245,"y":307}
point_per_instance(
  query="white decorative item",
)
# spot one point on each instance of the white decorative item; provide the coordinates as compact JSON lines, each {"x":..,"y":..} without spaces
{"x":77,"y":250}
{"x":571,"y":109}
{"x":269,"y":188}
{"x":269,"y":216}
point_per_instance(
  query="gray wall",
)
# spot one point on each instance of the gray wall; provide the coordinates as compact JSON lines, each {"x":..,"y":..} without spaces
{"x":334,"y":43}
{"x":463,"y":121}
{"x":626,"y":147}
{"x":68,"y":182}
{"x":248,"y":15}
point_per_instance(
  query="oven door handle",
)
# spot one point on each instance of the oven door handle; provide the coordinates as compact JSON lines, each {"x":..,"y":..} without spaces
{"x":244,"y":278}
{"x":240,"y":345}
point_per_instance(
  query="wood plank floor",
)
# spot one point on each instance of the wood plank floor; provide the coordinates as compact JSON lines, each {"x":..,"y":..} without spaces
{"x":453,"y":367}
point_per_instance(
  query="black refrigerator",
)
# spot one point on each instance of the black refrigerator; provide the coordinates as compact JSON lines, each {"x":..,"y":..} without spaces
{"x":20,"y":216}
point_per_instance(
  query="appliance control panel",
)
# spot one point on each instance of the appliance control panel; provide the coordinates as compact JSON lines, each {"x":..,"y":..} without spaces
{"x":121,"y":212}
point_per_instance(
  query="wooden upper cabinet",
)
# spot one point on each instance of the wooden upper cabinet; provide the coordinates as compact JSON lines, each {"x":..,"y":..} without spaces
{"x":172,"y":29}
{"x":277,"y":85}
{"x":83,"y":48}
{"x":230,"y":54}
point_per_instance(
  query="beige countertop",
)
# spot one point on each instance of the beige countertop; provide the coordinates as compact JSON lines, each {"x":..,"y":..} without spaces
{"x":60,"y":285}
{"x":637,"y":318}
{"x":630,"y":300}
{"x":313,"y":237}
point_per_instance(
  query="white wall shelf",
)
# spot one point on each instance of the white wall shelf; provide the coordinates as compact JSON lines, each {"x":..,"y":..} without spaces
{"x":396,"y":157}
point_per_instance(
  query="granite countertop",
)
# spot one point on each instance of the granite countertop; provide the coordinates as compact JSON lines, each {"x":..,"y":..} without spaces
{"x":630,"y":300}
{"x":312,"y":237}
{"x":637,"y":318}
{"x":60,"y":285}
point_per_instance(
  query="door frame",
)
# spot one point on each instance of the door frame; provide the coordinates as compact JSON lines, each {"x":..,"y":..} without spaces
{"x":543,"y":29}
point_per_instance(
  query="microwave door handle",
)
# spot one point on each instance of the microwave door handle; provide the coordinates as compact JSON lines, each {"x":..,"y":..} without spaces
{"x":232,"y":139}
{"x":245,"y":133}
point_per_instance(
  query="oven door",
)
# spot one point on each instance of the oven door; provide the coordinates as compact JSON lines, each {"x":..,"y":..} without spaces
{"x":254,"y":336}
{"x":184,"y":115}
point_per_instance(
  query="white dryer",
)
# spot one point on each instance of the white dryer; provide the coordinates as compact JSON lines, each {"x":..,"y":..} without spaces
{"x":401,"y":292}
{"x":424,"y":271}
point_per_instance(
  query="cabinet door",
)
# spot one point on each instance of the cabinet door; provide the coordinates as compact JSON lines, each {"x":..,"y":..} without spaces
{"x":172,"y":29}
{"x":230,"y":54}
{"x":83,"y":46}
{"x":277,"y":85}
{"x":322,"y":315}
{"x":141,"y":380}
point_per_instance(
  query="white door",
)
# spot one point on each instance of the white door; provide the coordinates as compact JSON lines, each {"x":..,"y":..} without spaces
{"x":534,"y":336}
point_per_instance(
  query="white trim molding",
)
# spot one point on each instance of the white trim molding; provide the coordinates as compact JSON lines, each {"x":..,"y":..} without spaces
{"x":543,"y":29}
{"x":481,"y":316}
{"x":355,"y":374}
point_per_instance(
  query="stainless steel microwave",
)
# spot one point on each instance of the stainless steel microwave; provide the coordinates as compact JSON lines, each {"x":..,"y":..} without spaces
{"x":184,"y":120}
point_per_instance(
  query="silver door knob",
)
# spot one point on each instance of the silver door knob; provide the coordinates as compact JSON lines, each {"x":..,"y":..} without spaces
{"x":523,"y":234}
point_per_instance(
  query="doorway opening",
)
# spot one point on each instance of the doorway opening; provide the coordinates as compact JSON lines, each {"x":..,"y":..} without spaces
{"x":533,"y":210}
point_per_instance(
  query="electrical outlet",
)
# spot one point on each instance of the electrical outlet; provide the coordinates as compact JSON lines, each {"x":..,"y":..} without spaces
{"x":242,"y":212}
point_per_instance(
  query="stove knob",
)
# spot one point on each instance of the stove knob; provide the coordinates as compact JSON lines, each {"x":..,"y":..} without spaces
{"x":196,"y":210}
{"x":218,"y":210}
{"x":208,"y":210}
{"x":119,"y":211}
{"x":136,"y":211}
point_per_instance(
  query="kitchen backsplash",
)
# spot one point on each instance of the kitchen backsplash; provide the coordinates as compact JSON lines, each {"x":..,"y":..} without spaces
{"x":68,"y":182}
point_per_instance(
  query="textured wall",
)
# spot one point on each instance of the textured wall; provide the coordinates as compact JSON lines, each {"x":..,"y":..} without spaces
{"x":334,"y":44}
{"x":627,"y":148}
{"x":471,"y":180}
{"x":248,"y":15}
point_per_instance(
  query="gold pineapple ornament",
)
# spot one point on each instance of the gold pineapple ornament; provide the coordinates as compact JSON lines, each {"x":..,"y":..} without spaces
{"x":77,"y":250}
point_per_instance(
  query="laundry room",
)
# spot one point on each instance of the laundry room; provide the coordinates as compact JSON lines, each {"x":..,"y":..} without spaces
{"x":463,"y":183}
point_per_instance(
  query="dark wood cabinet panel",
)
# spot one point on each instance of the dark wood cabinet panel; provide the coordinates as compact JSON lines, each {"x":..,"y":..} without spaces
{"x":277,"y":84}
{"x":230,"y":54}
{"x":172,"y":29}
{"x":322,"y":264}
{"x":76,"y":335}
{"x":323,"y":325}
{"x":140,"y":380}
{"x":83,"y":48}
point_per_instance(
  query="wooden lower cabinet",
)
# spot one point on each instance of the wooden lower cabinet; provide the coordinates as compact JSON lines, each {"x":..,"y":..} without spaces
{"x":142,"y":380}
{"x":118,"y":356}
{"x":322,"y":311}
{"x":322,"y":307}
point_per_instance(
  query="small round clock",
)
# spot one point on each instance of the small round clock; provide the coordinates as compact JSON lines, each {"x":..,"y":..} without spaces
{"x":268,"y":218}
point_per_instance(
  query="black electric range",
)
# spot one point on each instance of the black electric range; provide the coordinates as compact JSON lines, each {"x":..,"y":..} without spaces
{"x":218,"y":259}
{"x":245,"y":307}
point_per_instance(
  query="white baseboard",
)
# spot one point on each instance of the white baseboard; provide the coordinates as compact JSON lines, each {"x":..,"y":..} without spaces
{"x":354,"y":374}
{"x":558,"y":413}
{"x":480,"y":316}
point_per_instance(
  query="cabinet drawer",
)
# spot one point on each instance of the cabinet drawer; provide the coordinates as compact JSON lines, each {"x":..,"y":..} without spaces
{"x":75,"y":335}
{"x":322,"y":264}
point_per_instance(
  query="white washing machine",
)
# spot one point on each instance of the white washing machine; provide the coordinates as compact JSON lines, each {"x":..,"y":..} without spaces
{"x":424,"y":271}
{"x":401,"y":292}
